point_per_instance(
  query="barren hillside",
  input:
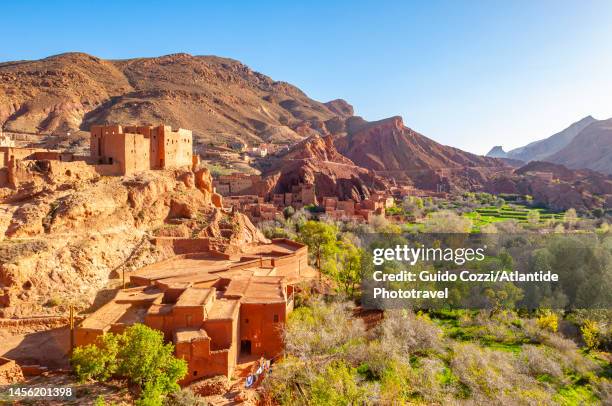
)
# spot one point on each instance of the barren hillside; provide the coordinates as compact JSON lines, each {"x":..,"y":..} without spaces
{"x":591,"y":148}
{"x":219,"y":99}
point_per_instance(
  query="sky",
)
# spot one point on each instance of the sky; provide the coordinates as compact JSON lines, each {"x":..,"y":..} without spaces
{"x":471,"y":74}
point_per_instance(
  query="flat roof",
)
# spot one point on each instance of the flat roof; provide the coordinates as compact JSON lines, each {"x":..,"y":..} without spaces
{"x":224,"y":309}
{"x":106,"y":315}
{"x":186,"y":335}
{"x":195,"y":297}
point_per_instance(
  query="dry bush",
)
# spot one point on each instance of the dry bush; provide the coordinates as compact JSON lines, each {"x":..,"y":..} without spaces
{"x":536,"y":361}
{"x":426,"y":382}
{"x":403,"y":333}
{"x":321,"y":329}
{"x":566,"y":351}
{"x":604,"y":392}
{"x":492,"y":376}
{"x":498,"y":328}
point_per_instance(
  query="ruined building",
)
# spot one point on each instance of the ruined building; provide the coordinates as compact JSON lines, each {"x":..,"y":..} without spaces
{"x":131,"y":149}
{"x":213,"y":306}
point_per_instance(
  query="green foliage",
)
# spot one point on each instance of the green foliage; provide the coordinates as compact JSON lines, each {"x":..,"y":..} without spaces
{"x":533,"y":216}
{"x":288,"y":212}
{"x":548,"y":321}
{"x":570,"y":217}
{"x":320,"y":238}
{"x":394,"y":210}
{"x":140,"y":355}
{"x":97,"y":361}
{"x":410,"y":358}
{"x":447,"y":222}
{"x":337,"y":385}
{"x":346,"y":269}
{"x":590,"y":334}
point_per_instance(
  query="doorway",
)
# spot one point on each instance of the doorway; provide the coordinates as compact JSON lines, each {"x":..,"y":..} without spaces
{"x":245,"y":347}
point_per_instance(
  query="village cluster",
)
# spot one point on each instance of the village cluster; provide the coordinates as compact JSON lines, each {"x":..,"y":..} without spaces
{"x":213,"y":306}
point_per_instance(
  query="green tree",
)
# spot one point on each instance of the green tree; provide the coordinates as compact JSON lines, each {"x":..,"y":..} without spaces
{"x":348,"y":266}
{"x":320,"y":238}
{"x":140,"y":355}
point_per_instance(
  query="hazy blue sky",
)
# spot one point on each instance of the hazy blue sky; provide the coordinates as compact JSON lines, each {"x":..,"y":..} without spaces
{"x":471,"y":74}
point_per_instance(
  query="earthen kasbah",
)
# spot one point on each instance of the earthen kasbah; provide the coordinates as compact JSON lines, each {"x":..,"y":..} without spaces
{"x":215,"y":295}
{"x":213,"y":306}
{"x":114,"y":151}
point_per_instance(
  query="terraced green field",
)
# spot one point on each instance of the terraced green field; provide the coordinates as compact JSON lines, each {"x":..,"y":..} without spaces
{"x":493,"y":214}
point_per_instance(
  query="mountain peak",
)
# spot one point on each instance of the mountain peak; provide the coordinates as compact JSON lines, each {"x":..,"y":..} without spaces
{"x":497,"y":152}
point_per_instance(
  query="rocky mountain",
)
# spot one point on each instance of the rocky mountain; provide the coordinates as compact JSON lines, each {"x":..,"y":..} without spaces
{"x":591,"y":148}
{"x":315,"y":161}
{"x":540,"y":150}
{"x":497,"y":152}
{"x":396,"y":151}
{"x":219,"y":99}
{"x":555,"y":186}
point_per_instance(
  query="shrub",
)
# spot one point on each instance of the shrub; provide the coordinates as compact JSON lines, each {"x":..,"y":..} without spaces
{"x":492,"y":376}
{"x":339,"y":384}
{"x":590,"y":334}
{"x":538,"y":361}
{"x":447,"y":222}
{"x":138,"y":354}
{"x":548,"y":321}
{"x":321,"y":328}
{"x":402,"y":332}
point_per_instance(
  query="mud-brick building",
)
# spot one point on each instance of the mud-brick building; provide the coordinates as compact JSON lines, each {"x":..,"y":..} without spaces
{"x":130,"y":149}
{"x":214,"y":307}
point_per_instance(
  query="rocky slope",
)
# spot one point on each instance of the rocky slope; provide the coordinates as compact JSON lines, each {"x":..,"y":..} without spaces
{"x":219,"y":99}
{"x":540,"y":150}
{"x":591,"y":148}
{"x":63,"y":238}
{"x":315,"y":161}
{"x":396,"y":151}
{"x":580,"y":189}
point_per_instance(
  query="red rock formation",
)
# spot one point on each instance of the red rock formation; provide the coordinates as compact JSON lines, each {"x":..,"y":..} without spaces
{"x":315,"y":161}
{"x":394,"y":150}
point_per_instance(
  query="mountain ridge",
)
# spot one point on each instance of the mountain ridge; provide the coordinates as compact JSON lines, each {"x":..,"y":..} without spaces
{"x":540,"y":149}
{"x":220,"y":99}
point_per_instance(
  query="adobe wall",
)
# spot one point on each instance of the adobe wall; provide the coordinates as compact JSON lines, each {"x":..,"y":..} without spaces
{"x":223,"y":333}
{"x":16,"y":153}
{"x":181,"y":246}
{"x":175,"y":147}
{"x":4,"y":177}
{"x":257,"y":325}
{"x":110,"y":144}
{"x":85,"y":336}
{"x":217,"y":363}
{"x":192,"y":316}
{"x":161,"y":322}
{"x":80,"y":169}
{"x":137,"y":153}
{"x":113,"y":169}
